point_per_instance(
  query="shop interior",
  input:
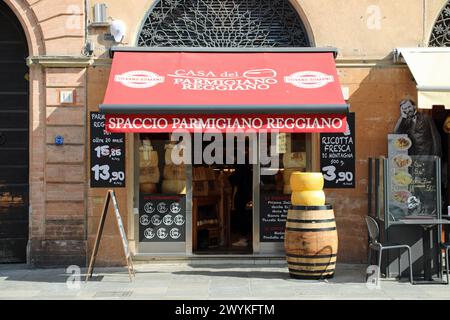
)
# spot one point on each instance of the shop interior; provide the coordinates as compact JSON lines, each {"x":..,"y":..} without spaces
{"x":222,"y":194}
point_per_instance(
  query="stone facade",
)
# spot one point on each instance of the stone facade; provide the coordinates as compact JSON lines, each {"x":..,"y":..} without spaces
{"x":65,"y":211}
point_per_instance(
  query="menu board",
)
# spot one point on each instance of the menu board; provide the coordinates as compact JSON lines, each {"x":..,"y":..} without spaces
{"x":413,"y":188}
{"x":274,"y":211}
{"x":162,"y":218}
{"x":107,"y":155}
{"x":337,"y":157}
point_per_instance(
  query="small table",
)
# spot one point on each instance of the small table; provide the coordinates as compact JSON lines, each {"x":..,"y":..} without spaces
{"x":426,"y":224}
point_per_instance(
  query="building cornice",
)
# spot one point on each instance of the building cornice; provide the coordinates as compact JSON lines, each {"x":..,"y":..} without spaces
{"x":60,"y":61}
{"x":84,"y":62}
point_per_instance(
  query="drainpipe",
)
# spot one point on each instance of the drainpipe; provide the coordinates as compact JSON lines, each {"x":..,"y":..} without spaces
{"x":86,"y":128}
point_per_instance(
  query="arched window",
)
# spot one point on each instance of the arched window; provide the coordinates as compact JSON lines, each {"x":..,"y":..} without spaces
{"x":223,"y":23}
{"x":440,"y":37}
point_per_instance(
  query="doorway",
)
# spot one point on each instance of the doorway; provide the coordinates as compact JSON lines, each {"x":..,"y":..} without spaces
{"x":14,"y":139}
{"x":222,"y":197}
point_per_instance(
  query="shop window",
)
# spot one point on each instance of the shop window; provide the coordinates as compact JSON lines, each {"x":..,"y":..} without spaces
{"x":292,"y":157}
{"x":157,"y":172}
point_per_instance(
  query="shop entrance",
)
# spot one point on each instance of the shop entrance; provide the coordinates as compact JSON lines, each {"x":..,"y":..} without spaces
{"x":217,"y":196}
{"x":13,"y":139}
{"x":222,"y":197}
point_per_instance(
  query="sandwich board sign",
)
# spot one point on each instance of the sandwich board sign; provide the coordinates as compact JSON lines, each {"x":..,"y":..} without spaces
{"x":110,"y":196}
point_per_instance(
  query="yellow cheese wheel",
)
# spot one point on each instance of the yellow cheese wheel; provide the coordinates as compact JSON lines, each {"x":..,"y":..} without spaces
{"x":171,"y":151}
{"x":308,"y":198}
{"x":294,"y":160}
{"x":173,"y":172}
{"x":307,"y":181}
{"x":174,"y":186}
{"x":148,"y":188}
{"x":288,"y":172}
{"x":287,"y":189}
{"x":149,"y":175}
{"x":148,"y":158}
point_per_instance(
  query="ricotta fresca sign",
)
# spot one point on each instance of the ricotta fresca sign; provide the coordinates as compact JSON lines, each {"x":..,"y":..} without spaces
{"x":224,"y":79}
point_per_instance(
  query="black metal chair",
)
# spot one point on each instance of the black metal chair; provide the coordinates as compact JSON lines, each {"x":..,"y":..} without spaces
{"x":374,"y":237}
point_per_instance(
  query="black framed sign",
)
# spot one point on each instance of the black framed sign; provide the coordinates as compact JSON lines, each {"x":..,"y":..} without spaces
{"x":274,"y":211}
{"x":107,"y":155}
{"x":162,"y":218}
{"x":337,"y":157}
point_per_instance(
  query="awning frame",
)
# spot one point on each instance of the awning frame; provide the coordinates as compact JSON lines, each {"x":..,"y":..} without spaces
{"x":224,"y":109}
{"x":225,"y":50}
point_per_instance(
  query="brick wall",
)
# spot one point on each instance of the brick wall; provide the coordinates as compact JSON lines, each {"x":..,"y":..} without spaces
{"x":57,"y":173}
{"x":375,"y":94}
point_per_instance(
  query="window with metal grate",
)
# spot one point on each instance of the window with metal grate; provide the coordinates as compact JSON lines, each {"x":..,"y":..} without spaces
{"x":440,"y":36}
{"x":226,"y":23}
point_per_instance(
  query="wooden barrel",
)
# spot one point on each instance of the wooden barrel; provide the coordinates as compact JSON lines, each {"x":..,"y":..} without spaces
{"x":311,"y":242}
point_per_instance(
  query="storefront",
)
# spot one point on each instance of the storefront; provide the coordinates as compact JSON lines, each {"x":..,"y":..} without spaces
{"x":61,"y":64}
{"x":217,"y":134}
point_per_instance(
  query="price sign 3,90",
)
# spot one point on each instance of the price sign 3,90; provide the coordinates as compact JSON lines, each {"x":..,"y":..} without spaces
{"x":330,"y":174}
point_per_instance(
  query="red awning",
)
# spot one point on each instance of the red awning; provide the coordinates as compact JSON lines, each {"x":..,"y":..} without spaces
{"x":224,"y":82}
{"x":197,"y":84}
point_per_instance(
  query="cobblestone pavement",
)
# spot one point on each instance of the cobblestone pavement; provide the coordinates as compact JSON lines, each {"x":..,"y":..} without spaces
{"x":201,"y":282}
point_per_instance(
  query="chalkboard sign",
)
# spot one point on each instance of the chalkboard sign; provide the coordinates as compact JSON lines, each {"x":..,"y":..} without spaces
{"x":107,"y":155}
{"x":162,"y":218}
{"x":111,"y":196}
{"x":120,"y":226}
{"x":274,"y":210}
{"x":337,"y":157}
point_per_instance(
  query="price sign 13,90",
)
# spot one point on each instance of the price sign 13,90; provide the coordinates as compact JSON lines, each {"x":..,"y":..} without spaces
{"x":102,"y":173}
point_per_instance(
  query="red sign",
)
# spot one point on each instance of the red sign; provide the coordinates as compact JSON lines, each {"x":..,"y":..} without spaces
{"x":226,"y":123}
{"x":208,"y":79}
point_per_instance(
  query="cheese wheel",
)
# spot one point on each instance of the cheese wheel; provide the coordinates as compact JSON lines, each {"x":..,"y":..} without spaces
{"x":288,"y":172}
{"x":306,"y":181}
{"x":294,"y":160}
{"x":177,"y":153}
{"x":147,"y":187}
{"x":308,"y":198}
{"x":173,"y":172}
{"x":287,"y":189}
{"x":447,"y":125}
{"x":149,"y":175}
{"x":148,"y":158}
{"x":174,"y":186}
